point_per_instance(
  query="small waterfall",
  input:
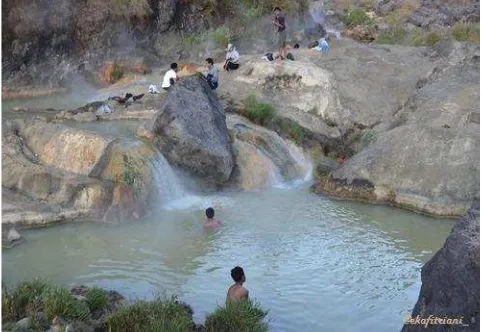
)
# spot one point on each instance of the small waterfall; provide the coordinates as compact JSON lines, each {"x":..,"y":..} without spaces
{"x":172,"y":194}
{"x":167,"y":182}
{"x":304,"y":164}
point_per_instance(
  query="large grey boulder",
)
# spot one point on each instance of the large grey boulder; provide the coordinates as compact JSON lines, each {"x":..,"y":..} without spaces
{"x":450,"y":280}
{"x":190,"y":130}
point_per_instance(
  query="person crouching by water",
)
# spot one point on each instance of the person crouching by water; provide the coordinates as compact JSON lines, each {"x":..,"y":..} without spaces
{"x":170,"y":77}
{"x":232,"y":58}
{"x":212,"y":76}
{"x":211,"y":222}
{"x":237,"y":292}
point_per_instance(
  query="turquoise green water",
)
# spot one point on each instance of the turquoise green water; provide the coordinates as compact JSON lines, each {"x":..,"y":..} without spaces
{"x":316,"y":264}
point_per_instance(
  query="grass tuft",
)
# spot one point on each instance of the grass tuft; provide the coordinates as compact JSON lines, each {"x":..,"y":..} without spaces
{"x":257,"y":112}
{"x":221,"y":36}
{"x":392,"y":36}
{"x":22,"y":300}
{"x":421,"y":38}
{"x":96,"y":299}
{"x":156,"y":316}
{"x":356,"y":16}
{"x":243,"y":316}
{"x":59,"y":302}
{"x":469,"y":32}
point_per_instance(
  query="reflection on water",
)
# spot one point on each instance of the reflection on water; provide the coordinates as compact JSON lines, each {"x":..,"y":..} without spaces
{"x":316,"y":264}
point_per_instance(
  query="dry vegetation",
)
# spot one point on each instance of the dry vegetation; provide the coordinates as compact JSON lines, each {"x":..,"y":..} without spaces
{"x":130,"y":8}
{"x":359,"y":24}
{"x":467,"y":32}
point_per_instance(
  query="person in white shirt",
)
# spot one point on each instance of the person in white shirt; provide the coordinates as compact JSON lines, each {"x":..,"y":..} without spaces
{"x":232,"y":58}
{"x":170,"y":77}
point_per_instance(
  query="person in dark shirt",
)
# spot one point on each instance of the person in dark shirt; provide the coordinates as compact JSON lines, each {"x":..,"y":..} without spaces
{"x":280,"y":28}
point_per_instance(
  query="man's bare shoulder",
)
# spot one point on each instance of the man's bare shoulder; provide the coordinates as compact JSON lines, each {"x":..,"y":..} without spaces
{"x":212,"y":224}
{"x":242,"y":292}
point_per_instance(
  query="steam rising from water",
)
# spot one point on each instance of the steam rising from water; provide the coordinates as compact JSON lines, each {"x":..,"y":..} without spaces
{"x":174,"y":196}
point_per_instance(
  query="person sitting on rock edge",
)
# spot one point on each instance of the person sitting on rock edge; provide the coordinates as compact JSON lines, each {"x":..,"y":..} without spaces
{"x":211,"y":222}
{"x":237,"y":292}
{"x":232,"y":58}
{"x":170,"y":77}
{"x":212,"y":76}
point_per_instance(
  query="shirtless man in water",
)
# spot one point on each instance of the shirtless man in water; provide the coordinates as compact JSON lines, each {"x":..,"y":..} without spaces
{"x":237,"y":292}
{"x":211,"y":222}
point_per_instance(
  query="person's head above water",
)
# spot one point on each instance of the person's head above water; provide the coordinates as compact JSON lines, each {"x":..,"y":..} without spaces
{"x":210,"y":213}
{"x":210,"y":62}
{"x":237,"y":274}
{"x":174,"y":66}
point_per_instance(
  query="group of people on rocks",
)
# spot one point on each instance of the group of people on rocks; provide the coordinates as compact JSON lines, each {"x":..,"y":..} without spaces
{"x":237,"y":291}
{"x":232,"y":57}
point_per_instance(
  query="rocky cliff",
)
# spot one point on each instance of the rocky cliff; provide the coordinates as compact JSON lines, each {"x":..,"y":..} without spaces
{"x":48,"y":41}
{"x":450,"y":282}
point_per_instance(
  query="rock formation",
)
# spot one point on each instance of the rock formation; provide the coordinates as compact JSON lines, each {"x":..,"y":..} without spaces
{"x":450,"y":280}
{"x":51,"y":172}
{"x":190,"y":130}
{"x":425,"y":156}
{"x":262,"y":157}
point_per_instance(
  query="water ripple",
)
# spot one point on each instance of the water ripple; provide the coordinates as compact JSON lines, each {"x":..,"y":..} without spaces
{"x":317,"y":265}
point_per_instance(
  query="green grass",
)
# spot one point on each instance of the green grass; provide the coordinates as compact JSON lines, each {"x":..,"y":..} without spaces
{"x":59,"y":302}
{"x":466,"y":32}
{"x":131,"y":176}
{"x":96,"y":298}
{"x":356,"y":16}
{"x":191,"y":40}
{"x":257,"y":112}
{"x":433,"y":38}
{"x":23,"y":300}
{"x":297,"y":133}
{"x":118,"y":73}
{"x":367,"y":137}
{"x":418,"y":38}
{"x":221,"y":36}
{"x":31,"y":297}
{"x":161,"y":315}
{"x":243,"y":316}
{"x":392,"y":36}
{"x":156,"y":316}
{"x":421,"y":38}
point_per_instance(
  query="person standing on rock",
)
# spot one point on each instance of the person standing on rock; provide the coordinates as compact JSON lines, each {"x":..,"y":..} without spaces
{"x":170,"y":77}
{"x":211,"y":222}
{"x":212,"y":76}
{"x":232,"y":58}
{"x":237,"y":292}
{"x":280,"y":28}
